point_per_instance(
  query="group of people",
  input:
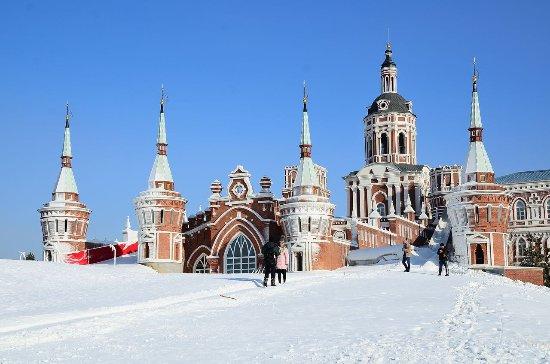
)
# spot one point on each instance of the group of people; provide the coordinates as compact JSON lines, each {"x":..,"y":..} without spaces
{"x":441,"y":254}
{"x":275,"y":261}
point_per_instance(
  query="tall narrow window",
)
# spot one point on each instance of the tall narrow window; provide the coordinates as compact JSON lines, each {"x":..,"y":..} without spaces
{"x":384,"y":144}
{"x":66,"y":225}
{"x":162,"y":216}
{"x":402,"y":146}
{"x":476,"y":212}
{"x":56,"y":226}
{"x":300,"y":224}
{"x":309,"y":224}
{"x":521,"y":213}
{"x":489,"y":211}
{"x":548,"y":208}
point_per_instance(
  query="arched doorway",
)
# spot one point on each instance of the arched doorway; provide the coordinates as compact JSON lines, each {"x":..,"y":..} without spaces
{"x":480,"y":256}
{"x":240,"y":256}
{"x":201,"y":265}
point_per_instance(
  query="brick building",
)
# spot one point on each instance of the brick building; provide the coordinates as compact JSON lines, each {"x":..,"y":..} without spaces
{"x":228,"y":236}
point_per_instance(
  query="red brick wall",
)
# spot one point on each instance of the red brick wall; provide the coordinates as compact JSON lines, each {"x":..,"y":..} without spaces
{"x":525,"y":274}
{"x":331,"y":256}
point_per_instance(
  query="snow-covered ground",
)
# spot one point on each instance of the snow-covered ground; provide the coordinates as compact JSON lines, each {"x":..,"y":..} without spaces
{"x":60,"y":313}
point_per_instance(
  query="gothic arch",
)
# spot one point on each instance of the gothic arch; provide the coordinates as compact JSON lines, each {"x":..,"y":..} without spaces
{"x":231,"y":230}
{"x":194,"y":256}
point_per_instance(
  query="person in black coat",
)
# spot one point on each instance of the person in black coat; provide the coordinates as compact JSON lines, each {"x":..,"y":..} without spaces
{"x":270,"y":251}
{"x":442,"y":254}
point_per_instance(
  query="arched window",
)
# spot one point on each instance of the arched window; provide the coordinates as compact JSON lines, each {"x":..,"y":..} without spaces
{"x":145,"y":250}
{"x":548,"y":208}
{"x":240,"y":256}
{"x":201,"y":265}
{"x":384,"y":144}
{"x":369,"y":147}
{"x":402,"y":146}
{"x":521,"y":213}
{"x":381,"y":208}
{"x":522,"y":247}
{"x":392,"y":84}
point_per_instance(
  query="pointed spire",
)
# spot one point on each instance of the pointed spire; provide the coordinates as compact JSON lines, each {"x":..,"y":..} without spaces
{"x":128,"y":225}
{"x":66,"y":182}
{"x":161,"y":174}
{"x":478,"y":160}
{"x":475,"y":114}
{"x":305,"y":141}
{"x":306,"y":169}
{"x":67,"y":152}
{"x":161,"y":135}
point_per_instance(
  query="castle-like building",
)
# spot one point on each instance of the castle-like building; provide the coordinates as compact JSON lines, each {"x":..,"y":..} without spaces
{"x":391,"y":198}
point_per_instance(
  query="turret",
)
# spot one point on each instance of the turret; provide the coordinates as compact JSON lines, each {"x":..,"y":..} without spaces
{"x":64,"y":219}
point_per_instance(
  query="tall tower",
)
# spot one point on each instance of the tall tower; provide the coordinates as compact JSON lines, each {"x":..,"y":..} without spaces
{"x":161,"y":211}
{"x":307,"y":212}
{"x":478,"y":208}
{"x":64,"y":219}
{"x":390,"y":125}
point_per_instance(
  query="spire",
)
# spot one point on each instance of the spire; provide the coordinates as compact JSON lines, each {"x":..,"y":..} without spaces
{"x":305,"y":141}
{"x":161,"y":135}
{"x":161,"y":174}
{"x":66,"y":154}
{"x":475,"y":114}
{"x":478,"y":160}
{"x":306,"y":170}
{"x":65,"y":181}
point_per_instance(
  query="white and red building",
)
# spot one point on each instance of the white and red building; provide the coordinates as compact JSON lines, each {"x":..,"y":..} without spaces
{"x":390,"y":199}
{"x":65,"y":218}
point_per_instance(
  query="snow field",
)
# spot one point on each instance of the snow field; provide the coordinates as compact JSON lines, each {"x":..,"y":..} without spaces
{"x":128,"y":313}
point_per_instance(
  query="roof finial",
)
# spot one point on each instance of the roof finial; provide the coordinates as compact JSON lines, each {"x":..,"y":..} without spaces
{"x":67,"y":114}
{"x":475,"y":76}
{"x":304,"y":99}
{"x":388,"y":43}
{"x":162,"y":98}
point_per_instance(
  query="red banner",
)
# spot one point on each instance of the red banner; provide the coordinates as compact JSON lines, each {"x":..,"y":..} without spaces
{"x":96,"y":255}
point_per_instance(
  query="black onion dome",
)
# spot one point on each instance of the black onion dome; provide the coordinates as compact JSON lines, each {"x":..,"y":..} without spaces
{"x":395,"y":103}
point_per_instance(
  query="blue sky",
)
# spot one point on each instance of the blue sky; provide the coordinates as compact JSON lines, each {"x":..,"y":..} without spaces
{"x":233,"y":73}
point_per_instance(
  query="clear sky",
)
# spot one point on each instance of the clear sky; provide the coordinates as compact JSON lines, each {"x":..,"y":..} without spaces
{"x":233,"y":73}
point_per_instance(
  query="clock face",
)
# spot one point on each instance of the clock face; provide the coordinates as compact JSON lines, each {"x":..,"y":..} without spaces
{"x":239,"y":190}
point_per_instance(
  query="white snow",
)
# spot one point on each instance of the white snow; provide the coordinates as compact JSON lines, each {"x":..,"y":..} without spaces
{"x":128,"y":313}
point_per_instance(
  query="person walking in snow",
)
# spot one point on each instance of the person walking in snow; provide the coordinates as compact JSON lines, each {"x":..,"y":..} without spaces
{"x":407,"y":253}
{"x":442,"y":254}
{"x":270,"y":252}
{"x":282,"y":261}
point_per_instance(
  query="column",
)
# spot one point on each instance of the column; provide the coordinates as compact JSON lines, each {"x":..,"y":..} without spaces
{"x":369,"y":199}
{"x":348,"y":196}
{"x":398,"y":200}
{"x":362,"y":201}
{"x":354,"y":201}
{"x":390,"y":197}
{"x":417,"y":203}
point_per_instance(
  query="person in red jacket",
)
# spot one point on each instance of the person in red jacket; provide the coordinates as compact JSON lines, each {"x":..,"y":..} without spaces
{"x":282,"y":261}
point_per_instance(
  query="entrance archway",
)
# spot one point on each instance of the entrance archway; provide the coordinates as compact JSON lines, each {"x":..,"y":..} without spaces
{"x":480,"y":256}
{"x":240,"y":256}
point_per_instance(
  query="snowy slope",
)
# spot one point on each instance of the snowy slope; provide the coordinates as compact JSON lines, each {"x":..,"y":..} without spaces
{"x":128,"y":313}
